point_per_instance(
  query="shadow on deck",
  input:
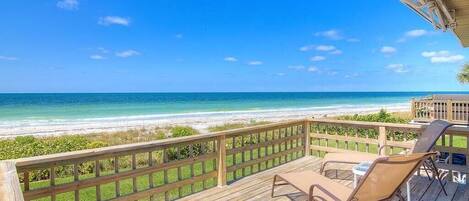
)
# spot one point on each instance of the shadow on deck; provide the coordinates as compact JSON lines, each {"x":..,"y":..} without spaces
{"x":258,"y":186}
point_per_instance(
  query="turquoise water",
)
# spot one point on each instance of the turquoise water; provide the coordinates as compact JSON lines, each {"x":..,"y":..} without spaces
{"x":105,"y":105}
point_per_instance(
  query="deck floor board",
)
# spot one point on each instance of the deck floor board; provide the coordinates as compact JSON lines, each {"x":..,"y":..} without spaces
{"x":258,"y":186}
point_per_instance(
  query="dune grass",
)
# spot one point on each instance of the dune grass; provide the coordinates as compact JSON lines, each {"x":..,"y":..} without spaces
{"x":229,"y":126}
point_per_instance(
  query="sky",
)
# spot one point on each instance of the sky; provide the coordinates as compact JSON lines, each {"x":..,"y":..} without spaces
{"x":222,"y":46}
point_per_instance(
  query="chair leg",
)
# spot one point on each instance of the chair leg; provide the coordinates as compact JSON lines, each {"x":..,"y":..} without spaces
{"x":438,"y":176}
{"x":426,"y":171}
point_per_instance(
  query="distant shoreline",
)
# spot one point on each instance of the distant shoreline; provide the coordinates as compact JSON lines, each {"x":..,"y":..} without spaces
{"x":200,"y":121}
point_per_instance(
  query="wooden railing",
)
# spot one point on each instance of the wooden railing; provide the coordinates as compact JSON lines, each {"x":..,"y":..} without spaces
{"x":348,"y":136}
{"x":160,"y":170}
{"x":172,"y":168}
{"x":450,"y":110}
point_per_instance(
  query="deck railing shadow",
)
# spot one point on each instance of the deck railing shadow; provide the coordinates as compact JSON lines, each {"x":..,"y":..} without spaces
{"x":173,"y":168}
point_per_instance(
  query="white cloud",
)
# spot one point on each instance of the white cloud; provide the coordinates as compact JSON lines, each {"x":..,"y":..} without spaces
{"x":313,"y":69}
{"x":447,"y":59}
{"x":297,"y":67}
{"x":280,"y":74}
{"x":7,"y":58}
{"x":330,"y":34}
{"x":413,"y":34}
{"x":325,"y":48}
{"x":388,"y":50}
{"x":231,"y":59}
{"x":97,"y":57}
{"x":103,"y":50}
{"x":306,"y":48}
{"x":255,"y":63}
{"x":435,"y":53}
{"x":397,"y":68}
{"x":68,"y":4}
{"x":110,"y":20}
{"x":127,"y":53}
{"x":443,"y":56}
{"x":336,"y":52}
{"x":416,"y":33}
{"x":318,"y":58}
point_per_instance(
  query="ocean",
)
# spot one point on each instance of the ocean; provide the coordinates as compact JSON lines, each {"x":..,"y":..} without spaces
{"x":29,"y":112}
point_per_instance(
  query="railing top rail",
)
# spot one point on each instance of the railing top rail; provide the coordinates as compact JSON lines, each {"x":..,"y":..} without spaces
{"x":366,"y":124}
{"x":143,"y":145}
{"x":440,"y":101}
{"x":459,"y":130}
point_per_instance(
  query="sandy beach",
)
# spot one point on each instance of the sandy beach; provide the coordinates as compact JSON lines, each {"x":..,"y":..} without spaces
{"x":200,"y":121}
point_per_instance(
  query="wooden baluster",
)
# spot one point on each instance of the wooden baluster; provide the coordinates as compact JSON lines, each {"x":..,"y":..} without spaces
{"x":165,"y":172}
{"x":52,"y":182}
{"x":297,"y":140}
{"x":150,"y":176}
{"x":116,"y":171}
{"x":134,"y":167}
{"x":346,"y":142}
{"x":76,"y":178}
{"x":250,"y":151}
{"x":243,"y":170}
{"x":97,"y":174}
{"x":382,"y":140}
{"x":26,"y":180}
{"x":258,"y":151}
{"x":204,"y":166}
{"x":221,"y":149}
{"x":327,"y":140}
{"x":336,"y":141}
{"x":191,"y":166}
{"x":273,"y":147}
{"x":367,"y":145}
{"x":356,"y":143}
{"x":306,"y":138}
{"x":178,"y":157}
{"x":285,"y":144}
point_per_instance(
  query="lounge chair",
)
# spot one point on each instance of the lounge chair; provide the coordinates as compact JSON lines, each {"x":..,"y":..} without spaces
{"x":424,"y":144}
{"x":381,"y":182}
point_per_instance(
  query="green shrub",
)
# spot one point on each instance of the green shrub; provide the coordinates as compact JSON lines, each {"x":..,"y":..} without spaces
{"x":96,"y":144}
{"x":381,"y":116}
{"x":180,"y":131}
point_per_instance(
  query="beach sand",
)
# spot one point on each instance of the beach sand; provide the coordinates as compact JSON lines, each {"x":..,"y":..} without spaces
{"x":199,"y":121}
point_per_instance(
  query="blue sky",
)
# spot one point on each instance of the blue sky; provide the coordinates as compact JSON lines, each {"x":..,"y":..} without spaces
{"x":203,"y":45}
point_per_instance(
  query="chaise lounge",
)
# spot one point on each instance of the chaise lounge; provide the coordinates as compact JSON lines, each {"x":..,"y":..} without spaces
{"x":381,"y":182}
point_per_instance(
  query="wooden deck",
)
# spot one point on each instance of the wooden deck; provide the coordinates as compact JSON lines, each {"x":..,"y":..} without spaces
{"x":258,"y":186}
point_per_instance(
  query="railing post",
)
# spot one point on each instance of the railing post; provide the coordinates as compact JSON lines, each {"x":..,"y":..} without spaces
{"x":382,"y":141}
{"x":306,"y":140}
{"x":449,"y":110}
{"x":10,"y":189}
{"x":221,"y":160}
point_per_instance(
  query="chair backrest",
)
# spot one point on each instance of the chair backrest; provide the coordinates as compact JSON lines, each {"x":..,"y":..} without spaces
{"x":386,"y":175}
{"x":430,"y":135}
